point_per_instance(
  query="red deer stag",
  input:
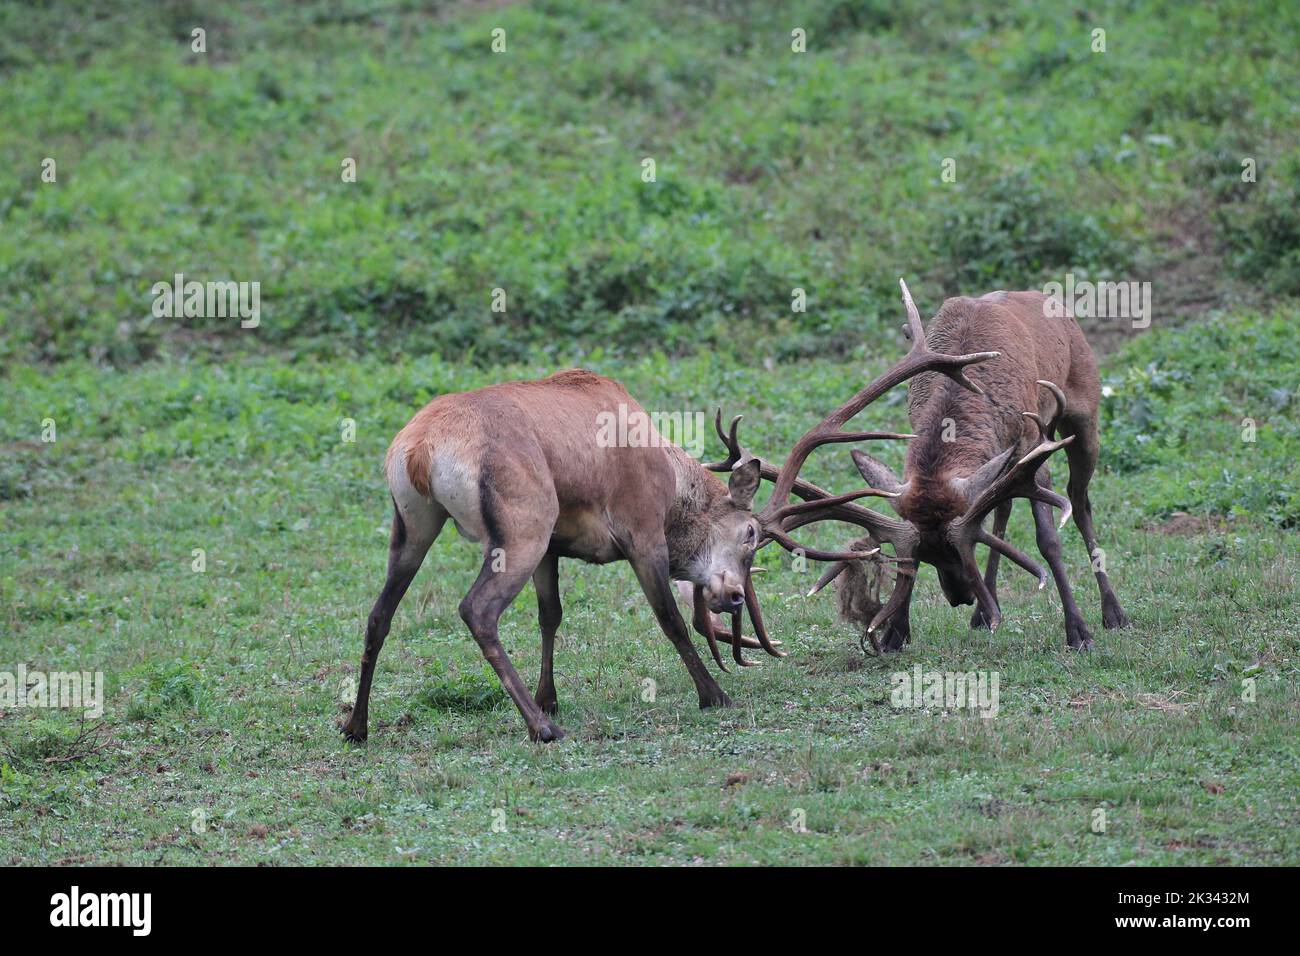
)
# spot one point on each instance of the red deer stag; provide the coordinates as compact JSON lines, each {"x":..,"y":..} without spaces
{"x":971,"y":456}
{"x":518,"y":467}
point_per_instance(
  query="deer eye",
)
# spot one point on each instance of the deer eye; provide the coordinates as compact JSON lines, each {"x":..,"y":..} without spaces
{"x":751,"y":536}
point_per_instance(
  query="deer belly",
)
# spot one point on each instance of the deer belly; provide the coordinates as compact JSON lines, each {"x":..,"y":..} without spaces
{"x":585,"y":535}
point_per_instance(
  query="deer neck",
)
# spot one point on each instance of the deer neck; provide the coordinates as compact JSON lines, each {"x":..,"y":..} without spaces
{"x":688,"y":527}
{"x":958,"y":432}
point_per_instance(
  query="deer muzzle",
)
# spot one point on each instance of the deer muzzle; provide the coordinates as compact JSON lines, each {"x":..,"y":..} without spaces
{"x":725,"y":593}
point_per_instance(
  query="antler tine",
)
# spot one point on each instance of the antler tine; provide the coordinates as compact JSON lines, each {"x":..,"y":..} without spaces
{"x":735,"y":453}
{"x":1015,"y":554}
{"x":881,"y":527}
{"x":703,"y":621}
{"x":920,"y":358}
{"x":756,"y":617}
{"x":839,"y":567}
{"x":815,"y":554}
{"x":1038,"y":492}
{"x":914,"y":331}
{"x":1018,"y":481}
{"x":738,"y":644}
{"x":1047,"y":431}
{"x":866,"y":518}
{"x":835,"y":508}
{"x":829,"y":575}
{"x":1060,"y":402}
{"x":821,"y":504}
{"x":1002,"y":481}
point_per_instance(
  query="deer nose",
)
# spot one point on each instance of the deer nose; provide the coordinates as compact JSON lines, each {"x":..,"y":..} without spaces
{"x":736,"y":597}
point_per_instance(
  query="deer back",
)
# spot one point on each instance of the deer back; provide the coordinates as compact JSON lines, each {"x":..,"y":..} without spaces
{"x":959,"y":430}
{"x":549,"y":438}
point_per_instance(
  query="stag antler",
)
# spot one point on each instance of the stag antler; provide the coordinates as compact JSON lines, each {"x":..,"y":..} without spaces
{"x":1000,"y":479}
{"x":817,"y":504}
{"x":780,"y":517}
{"x":920,"y":358}
{"x":849,"y":513}
{"x":756,"y":617}
{"x":707,"y":624}
{"x":1047,"y":431}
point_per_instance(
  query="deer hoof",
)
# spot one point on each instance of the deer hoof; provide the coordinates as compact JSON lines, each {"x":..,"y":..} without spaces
{"x":546,"y":701}
{"x":1078,"y":637}
{"x":893,"y":639}
{"x":716,"y":699}
{"x":354,"y":732}
{"x":1113,"y":617}
{"x":545,"y":733}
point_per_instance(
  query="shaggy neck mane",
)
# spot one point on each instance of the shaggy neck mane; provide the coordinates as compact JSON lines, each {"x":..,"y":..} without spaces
{"x":698,"y":490}
{"x":697,"y":487}
{"x":958,"y":433}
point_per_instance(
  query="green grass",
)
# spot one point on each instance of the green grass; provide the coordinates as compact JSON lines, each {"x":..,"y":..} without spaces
{"x":226,"y":686}
{"x":522,"y":171}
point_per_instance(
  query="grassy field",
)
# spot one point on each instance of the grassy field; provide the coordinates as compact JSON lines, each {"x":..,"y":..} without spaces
{"x":522,"y":171}
{"x":226,"y":685}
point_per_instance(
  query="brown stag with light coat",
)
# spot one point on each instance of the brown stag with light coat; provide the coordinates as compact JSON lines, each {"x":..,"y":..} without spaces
{"x":518,"y":467}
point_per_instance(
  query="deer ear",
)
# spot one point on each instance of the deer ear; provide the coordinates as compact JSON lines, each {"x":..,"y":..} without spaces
{"x":877,"y":473}
{"x":743,"y":483}
{"x":975,"y":485}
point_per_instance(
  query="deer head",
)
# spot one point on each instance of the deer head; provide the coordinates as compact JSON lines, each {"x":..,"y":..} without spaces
{"x":729,"y":536}
{"x":722,"y":568}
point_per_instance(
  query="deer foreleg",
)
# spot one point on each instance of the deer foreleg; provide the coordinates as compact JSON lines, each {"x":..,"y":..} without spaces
{"x":1000,"y":517}
{"x":651,"y":568}
{"x":1077,"y":634}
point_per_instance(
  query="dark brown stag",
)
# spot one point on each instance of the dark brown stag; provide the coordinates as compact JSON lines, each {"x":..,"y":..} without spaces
{"x":973,"y":454}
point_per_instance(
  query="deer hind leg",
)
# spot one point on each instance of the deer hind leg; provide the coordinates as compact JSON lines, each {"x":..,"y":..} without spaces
{"x":546,"y":580}
{"x":1082,"y":456}
{"x":1000,"y":517}
{"x":416,"y":524}
{"x":1077,"y":634}
{"x":507,"y":501}
{"x":507,"y":566}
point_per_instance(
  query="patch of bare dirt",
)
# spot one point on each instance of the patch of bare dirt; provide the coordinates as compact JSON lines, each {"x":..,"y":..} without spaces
{"x":1182,"y":523}
{"x":1188,"y":278}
